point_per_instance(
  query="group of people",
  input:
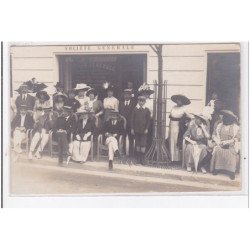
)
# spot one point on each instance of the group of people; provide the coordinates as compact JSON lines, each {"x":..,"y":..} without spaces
{"x":208,"y":141}
{"x":76,"y":117}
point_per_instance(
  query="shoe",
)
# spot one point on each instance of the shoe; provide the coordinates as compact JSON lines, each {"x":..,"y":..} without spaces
{"x":30,"y":156}
{"x":38,"y":155}
{"x":82,"y":162}
{"x":203,"y":170}
{"x":18,"y":150}
{"x":110,"y":165}
{"x":189,"y":169}
{"x":142,"y":159}
{"x":60,"y":160}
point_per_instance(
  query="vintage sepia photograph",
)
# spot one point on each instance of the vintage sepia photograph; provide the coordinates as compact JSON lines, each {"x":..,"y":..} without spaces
{"x":105,"y":119}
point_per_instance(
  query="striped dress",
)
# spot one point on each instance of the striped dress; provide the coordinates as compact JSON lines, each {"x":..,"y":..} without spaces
{"x":225,"y":158}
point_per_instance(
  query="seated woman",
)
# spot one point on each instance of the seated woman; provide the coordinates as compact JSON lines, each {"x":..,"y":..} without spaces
{"x":43,"y":124}
{"x":65,"y":125}
{"x":113,"y":129}
{"x":226,"y":135}
{"x":20,"y":124}
{"x":196,"y":136}
{"x":43,"y":101}
{"x":81,"y":139}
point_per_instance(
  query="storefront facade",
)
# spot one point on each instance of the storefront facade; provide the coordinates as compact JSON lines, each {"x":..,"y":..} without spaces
{"x":185,"y":67}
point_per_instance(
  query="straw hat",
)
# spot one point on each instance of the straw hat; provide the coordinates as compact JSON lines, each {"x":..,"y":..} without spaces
{"x":81,"y":86}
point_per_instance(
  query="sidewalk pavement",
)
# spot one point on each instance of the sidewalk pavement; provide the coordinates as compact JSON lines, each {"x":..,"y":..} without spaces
{"x":144,"y":174}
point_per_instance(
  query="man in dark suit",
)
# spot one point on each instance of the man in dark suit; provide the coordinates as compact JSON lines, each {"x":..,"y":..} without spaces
{"x":24,"y":98}
{"x":20,"y":124}
{"x":65,"y":125}
{"x":113,"y":128}
{"x":125,"y":109}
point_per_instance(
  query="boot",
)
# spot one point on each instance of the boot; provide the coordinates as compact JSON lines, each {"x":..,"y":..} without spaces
{"x":110,"y":165}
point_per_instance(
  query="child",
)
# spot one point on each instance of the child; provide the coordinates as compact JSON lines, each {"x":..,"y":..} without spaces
{"x":140,"y":121}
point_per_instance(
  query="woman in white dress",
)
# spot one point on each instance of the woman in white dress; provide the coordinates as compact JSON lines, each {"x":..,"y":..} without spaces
{"x":177,"y":115}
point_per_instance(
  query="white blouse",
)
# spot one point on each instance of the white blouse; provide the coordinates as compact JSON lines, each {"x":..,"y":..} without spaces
{"x":111,"y":103}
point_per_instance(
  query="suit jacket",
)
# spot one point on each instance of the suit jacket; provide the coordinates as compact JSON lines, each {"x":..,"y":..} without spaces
{"x":29,"y":101}
{"x":117,"y":128}
{"x":80,"y":130}
{"x":28,"y":122}
{"x":126,"y":111}
{"x":140,"y":120}
{"x":69,"y":124}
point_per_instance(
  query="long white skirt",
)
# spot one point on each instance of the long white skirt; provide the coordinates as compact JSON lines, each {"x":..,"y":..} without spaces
{"x":81,"y":150}
{"x":173,"y":136}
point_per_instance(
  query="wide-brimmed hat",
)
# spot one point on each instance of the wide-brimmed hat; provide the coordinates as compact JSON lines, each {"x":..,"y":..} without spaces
{"x":38,"y":87}
{"x":184,"y":100}
{"x":44,"y":93}
{"x":81,"y":86}
{"x":145,"y":89}
{"x":59,"y":97}
{"x":91,"y":91}
{"x":58,"y":85}
{"x":203,"y":118}
{"x":229,"y":113}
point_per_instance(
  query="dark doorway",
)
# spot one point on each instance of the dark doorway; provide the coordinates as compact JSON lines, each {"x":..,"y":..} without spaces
{"x":223,"y":77}
{"x":96,"y":69}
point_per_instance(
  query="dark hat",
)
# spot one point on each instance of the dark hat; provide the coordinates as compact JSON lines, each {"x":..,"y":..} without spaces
{"x":58,"y":85}
{"x":229,"y":113}
{"x":184,"y":100}
{"x":38,"y":87}
{"x":68,"y":108}
{"x":202,"y":117}
{"x":146,"y":92}
{"x":44,"y":93}
{"x":91,"y":91}
{"x":59,"y":97}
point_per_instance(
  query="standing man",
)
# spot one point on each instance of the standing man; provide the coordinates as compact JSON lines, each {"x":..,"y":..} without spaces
{"x":126,"y":108}
{"x":24,"y":98}
{"x":140,"y":122}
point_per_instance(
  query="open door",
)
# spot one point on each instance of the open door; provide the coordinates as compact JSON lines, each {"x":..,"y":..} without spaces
{"x":223,"y":77}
